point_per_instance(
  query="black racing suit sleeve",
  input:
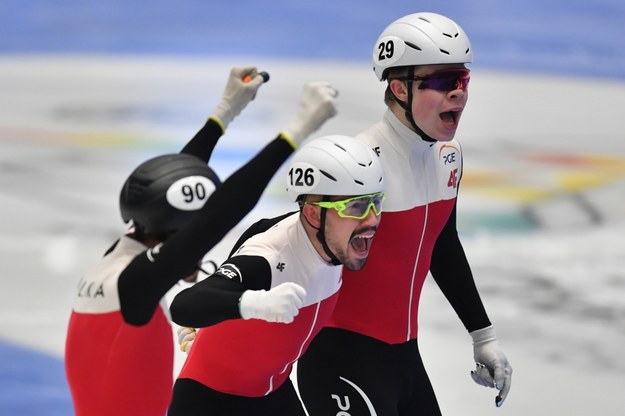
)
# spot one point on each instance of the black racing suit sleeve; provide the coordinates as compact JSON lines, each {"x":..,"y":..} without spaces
{"x":216,"y":298}
{"x":451,"y":271}
{"x":179,"y":256}
{"x":201,"y":145}
{"x":204,"y":141}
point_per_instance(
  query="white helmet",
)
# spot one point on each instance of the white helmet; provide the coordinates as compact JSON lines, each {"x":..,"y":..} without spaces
{"x":420,"y":39}
{"x":334,"y":165}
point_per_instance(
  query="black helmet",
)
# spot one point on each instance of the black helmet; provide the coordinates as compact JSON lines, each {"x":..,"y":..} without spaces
{"x":165,"y":192}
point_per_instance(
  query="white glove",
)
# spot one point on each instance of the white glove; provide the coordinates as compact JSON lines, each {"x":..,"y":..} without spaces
{"x":186,"y":336}
{"x":278,"y":304}
{"x":492,"y":367}
{"x":237,"y":94}
{"x":316,"y":106}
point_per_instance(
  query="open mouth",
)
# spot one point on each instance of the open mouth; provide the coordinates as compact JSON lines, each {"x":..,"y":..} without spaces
{"x":450,"y":117}
{"x":361,"y":244}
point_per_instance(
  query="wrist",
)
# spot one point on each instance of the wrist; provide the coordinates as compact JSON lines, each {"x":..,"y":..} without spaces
{"x":289,"y":139}
{"x":224,"y":113}
{"x":240,"y":306}
{"x":217,"y":121}
{"x":248,"y":303}
{"x":486,"y":334}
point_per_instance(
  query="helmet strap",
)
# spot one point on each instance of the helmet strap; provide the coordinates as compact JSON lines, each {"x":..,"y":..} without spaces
{"x":322,"y":237}
{"x":137,"y":231}
{"x":408,"y":107}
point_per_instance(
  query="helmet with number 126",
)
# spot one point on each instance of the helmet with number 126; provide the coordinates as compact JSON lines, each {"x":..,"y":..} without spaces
{"x":334,"y":165}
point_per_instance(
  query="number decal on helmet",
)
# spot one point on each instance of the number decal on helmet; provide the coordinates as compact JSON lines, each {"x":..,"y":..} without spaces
{"x":420,"y":39}
{"x":190,"y":193}
{"x":389,"y":50}
{"x":386,"y":50}
{"x":193,"y":192}
{"x":334,"y":165}
{"x":303,"y":177}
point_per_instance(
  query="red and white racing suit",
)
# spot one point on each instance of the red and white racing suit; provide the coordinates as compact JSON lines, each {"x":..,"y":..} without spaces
{"x":235,"y":361}
{"x":376,"y":317}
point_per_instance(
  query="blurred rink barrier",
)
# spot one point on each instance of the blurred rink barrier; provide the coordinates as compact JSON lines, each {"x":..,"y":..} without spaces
{"x":87,"y":92}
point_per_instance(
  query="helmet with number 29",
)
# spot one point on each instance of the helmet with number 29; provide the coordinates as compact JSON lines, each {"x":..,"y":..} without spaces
{"x":165,"y":192}
{"x":420,"y":39}
{"x":334,"y":166}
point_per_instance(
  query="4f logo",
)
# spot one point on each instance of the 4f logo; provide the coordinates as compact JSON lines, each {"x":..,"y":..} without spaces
{"x":452,"y":182}
{"x":280,"y":266}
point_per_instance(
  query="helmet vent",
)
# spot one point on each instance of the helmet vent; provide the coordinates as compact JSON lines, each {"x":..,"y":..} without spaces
{"x":413,"y":46}
{"x":359,"y":182}
{"x":340,"y":147}
{"x":327,"y":175}
{"x":444,"y":51}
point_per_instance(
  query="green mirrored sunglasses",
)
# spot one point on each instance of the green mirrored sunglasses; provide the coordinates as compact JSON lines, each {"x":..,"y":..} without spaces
{"x":356,"y":207}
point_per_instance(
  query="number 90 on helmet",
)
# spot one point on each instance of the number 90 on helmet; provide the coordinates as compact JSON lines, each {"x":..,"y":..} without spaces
{"x":420,"y":39}
{"x":334,"y":165}
{"x":165,"y":192}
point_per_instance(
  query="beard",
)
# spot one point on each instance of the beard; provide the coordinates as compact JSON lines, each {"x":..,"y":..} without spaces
{"x":353,"y":265}
{"x":356,"y":263}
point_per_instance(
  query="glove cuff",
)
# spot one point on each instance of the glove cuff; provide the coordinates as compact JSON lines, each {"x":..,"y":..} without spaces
{"x":247,"y":303}
{"x":481,"y":336}
{"x":295,"y":132}
{"x":289,"y":139}
{"x":218,"y":121}
{"x":224,"y":114}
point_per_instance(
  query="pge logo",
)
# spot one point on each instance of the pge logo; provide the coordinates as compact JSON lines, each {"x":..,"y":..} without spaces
{"x":449,"y":154}
{"x":230,"y":271}
{"x":449,"y":158}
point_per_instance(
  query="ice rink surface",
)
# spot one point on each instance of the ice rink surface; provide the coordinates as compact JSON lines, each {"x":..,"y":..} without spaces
{"x":87,"y":92}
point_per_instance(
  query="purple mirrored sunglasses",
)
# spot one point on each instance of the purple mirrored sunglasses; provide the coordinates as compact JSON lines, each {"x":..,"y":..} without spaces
{"x":443,"y":80}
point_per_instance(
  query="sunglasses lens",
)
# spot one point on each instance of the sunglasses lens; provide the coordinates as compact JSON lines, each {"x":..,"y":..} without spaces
{"x":359,"y":208}
{"x":377,"y":203}
{"x":446,"y":81}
